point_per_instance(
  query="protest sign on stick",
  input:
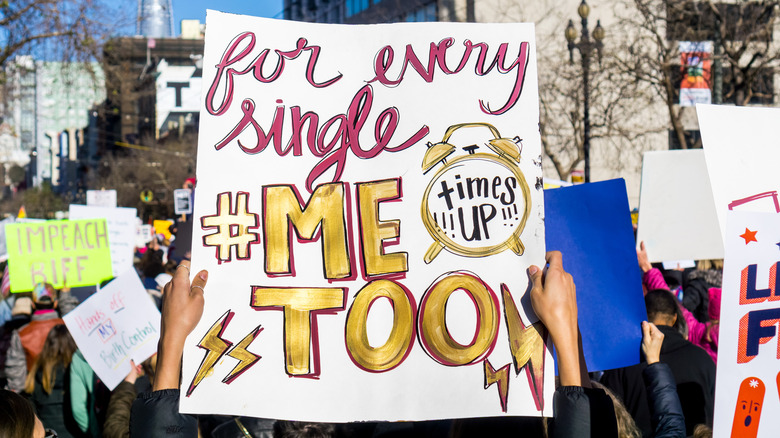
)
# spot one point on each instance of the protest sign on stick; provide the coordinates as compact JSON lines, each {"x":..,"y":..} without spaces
{"x":369,"y":199}
{"x":121,"y":232}
{"x":72,"y":253}
{"x":677,"y":219}
{"x":118,"y":323}
{"x":746,"y":397}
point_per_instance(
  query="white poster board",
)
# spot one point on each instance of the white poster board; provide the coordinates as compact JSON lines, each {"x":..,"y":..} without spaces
{"x":3,"y":247}
{"x":121,"y":232}
{"x":746,"y":398}
{"x":677,"y":219}
{"x":101,"y":198}
{"x":144,"y":233}
{"x":116,"y":324}
{"x":741,"y":149}
{"x":381,"y":223}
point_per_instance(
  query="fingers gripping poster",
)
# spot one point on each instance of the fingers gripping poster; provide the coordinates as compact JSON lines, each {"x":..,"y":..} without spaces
{"x":368,"y":201}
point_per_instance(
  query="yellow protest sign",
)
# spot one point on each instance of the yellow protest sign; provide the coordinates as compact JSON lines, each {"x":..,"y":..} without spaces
{"x":75,"y":253}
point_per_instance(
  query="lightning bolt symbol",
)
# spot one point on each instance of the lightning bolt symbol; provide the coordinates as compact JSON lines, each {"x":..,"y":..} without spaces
{"x":527,"y":344}
{"x":245,"y":358}
{"x":501,"y":377}
{"x":215,"y":347}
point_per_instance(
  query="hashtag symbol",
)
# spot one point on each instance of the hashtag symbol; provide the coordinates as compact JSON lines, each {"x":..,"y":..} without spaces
{"x":233,"y":227}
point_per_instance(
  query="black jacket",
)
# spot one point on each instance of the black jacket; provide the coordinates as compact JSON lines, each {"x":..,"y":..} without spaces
{"x":156,"y":414}
{"x":667,"y":414}
{"x":693,"y":370}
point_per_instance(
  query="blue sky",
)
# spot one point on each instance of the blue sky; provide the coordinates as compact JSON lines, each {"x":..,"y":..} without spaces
{"x":196,"y":9}
{"x":127,"y":11}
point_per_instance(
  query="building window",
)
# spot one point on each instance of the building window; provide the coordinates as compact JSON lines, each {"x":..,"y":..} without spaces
{"x":692,"y":139}
{"x":356,"y":6}
{"x":425,"y":13}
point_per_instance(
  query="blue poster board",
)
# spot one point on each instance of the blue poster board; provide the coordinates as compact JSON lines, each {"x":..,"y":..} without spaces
{"x":591,"y":225}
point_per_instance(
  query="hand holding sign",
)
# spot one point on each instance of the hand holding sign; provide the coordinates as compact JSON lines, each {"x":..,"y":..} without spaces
{"x":181,"y":310}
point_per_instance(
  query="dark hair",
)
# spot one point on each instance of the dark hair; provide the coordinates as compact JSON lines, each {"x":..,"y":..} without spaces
{"x":660,"y":302}
{"x":57,"y":350}
{"x":298,"y":429}
{"x":17,"y":417}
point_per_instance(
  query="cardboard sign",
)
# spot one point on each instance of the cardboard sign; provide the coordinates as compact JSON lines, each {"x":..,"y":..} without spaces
{"x":677,"y":219}
{"x":118,"y":323}
{"x":748,"y":180}
{"x":101,"y":198}
{"x":591,"y":225}
{"x":121,"y":232}
{"x":366,"y":216}
{"x":58,"y":252}
{"x":747,"y":383}
{"x":182,"y":201}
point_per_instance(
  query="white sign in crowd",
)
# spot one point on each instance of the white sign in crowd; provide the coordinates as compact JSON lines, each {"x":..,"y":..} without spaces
{"x":406,"y":159}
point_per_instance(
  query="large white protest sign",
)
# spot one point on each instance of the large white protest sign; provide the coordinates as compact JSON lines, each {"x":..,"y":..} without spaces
{"x":121,"y":232}
{"x":746,"y":398}
{"x":115,"y":325}
{"x":677,"y":218}
{"x":368,"y":200}
{"x":741,"y":149}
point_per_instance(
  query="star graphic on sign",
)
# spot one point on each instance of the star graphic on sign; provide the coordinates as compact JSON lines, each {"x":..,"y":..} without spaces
{"x":753,"y":383}
{"x":749,"y":236}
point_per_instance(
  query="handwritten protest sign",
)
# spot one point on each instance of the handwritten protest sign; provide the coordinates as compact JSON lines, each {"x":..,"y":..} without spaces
{"x":115,"y":325}
{"x":677,"y":219}
{"x":747,"y":180}
{"x":368,"y":200}
{"x":121,"y":232}
{"x":747,"y":383}
{"x":58,"y":252}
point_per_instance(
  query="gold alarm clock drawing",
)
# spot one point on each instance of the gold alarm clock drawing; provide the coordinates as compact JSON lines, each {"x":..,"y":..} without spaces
{"x":477,"y":204}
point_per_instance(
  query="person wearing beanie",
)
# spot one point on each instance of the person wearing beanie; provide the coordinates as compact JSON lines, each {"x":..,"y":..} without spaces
{"x":27,"y":341}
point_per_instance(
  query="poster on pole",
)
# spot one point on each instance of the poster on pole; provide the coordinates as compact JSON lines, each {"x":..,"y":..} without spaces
{"x":73,"y":252}
{"x":182,"y":201}
{"x":117,"y":324}
{"x":740,"y":148}
{"x":677,"y":219}
{"x":696,"y":72}
{"x":369,"y":199}
{"x":747,"y":382}
{"x":121,"y":232}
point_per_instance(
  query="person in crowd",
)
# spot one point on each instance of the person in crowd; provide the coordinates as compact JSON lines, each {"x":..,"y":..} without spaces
{"x":692,"y":367}
{"x":18,"y":419}
{"x":580,"y":410}
{"x":703,"y":334}
{"x":667,"y":417}
{"x":152,"y":263}
{"x":117,"y":424}
{"x":20,"y":315}
{"x":83,"y":395}
{"x":47,"y":382}
{"x":27,"y":342}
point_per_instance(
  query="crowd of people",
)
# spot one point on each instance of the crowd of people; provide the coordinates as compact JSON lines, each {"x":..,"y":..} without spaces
{"x":50,"y":390}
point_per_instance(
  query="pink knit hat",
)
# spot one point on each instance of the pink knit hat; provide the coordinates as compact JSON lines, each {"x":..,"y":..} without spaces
{"x":714,"y":306}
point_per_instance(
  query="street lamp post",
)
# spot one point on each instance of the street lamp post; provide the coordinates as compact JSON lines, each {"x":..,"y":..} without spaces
{"x":586,"y":46}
